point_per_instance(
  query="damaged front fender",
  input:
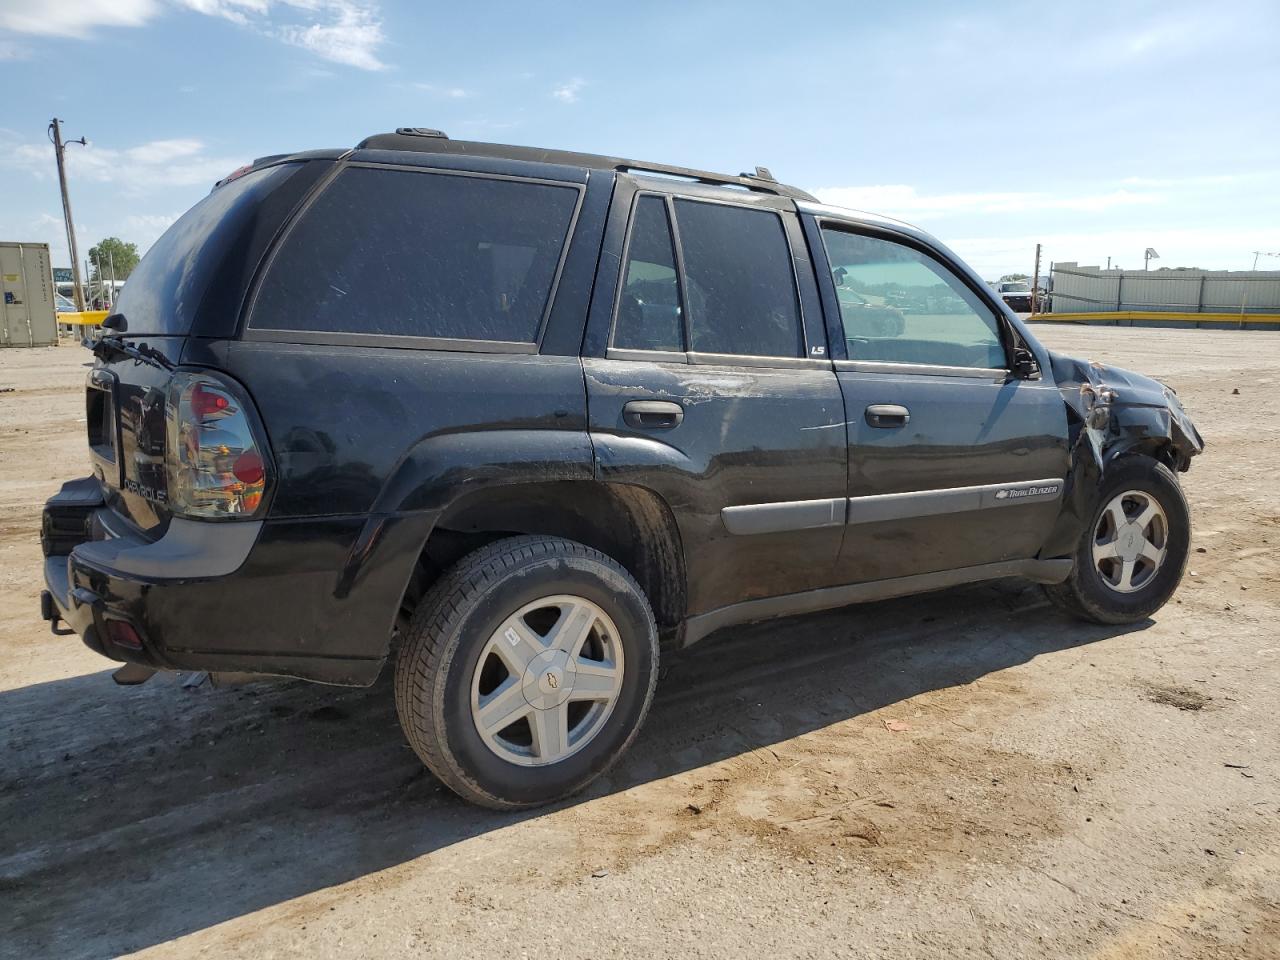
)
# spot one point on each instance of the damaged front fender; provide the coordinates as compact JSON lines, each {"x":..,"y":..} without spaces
{"x":1112,"y":413}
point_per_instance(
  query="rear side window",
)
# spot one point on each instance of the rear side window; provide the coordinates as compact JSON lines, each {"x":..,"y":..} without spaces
{"x":167,"y":287}
{"x":649,"y":304}
{"x":739,"y":285}
{"x":411,"y":254}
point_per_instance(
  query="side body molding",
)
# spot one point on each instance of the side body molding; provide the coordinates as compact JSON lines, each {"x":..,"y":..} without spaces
{"x":754,"y":518}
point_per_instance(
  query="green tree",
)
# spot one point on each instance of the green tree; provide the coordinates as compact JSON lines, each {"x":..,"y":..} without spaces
{"x":1014,"y":276}
{"x":113,"y":252}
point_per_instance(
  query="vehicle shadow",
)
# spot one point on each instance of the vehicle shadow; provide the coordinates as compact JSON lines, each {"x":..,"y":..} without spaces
{"x":134,"y":816}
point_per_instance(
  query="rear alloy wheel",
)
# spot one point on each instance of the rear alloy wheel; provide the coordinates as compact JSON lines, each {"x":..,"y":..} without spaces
{"x":1131,"y":556}
{"x":526,"y":671}
{"x":547,"y":680}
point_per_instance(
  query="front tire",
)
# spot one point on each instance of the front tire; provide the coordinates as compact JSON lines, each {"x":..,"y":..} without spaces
{"x":527,"y":671}
{"x":1132,"y":554}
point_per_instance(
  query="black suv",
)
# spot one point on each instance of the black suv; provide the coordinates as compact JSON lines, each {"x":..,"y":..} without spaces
{"x":514,"y":416}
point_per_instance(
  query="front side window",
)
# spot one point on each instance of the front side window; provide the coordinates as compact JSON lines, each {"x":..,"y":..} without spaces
{"x":649,"y":315}
{"x":740,"y":289}
{"x":899,"y":305}
{"x":414,"y":254}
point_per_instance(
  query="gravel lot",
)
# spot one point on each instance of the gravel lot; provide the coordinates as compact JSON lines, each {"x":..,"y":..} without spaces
{"x":1062,"y":790}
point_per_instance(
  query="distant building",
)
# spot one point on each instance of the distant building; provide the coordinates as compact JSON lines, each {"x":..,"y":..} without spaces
{"x":1090,"y":289}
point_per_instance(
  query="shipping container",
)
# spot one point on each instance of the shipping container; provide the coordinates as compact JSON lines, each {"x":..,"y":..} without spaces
{"x":28,"y":317}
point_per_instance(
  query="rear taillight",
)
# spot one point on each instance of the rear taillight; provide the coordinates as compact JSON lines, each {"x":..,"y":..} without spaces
{"x":215,"y":465}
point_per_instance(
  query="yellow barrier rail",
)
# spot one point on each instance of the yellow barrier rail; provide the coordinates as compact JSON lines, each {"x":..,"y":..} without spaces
{"x":1119,"y":316}
{"x":89,"y":318}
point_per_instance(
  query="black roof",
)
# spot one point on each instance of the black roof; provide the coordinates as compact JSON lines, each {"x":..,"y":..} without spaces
{"x":422,"y":140}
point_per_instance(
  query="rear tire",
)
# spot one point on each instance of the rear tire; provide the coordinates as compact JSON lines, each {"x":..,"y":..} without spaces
{"x":1132,"y":553}
{"x":526,"y":671}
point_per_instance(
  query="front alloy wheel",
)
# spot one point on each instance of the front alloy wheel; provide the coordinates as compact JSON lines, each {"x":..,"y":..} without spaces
{"x":1133,"y":550}
{"x":1130,"y":541}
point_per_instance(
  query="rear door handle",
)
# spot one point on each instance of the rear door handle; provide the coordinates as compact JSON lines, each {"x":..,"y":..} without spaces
{"x":887,"y":415}
{"x":653,"y":414}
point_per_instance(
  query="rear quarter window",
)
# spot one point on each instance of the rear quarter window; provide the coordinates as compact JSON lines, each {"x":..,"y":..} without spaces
{"x":395,"y":253}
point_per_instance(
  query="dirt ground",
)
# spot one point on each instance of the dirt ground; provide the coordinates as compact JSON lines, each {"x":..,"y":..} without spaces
{"x":1060,"y":789}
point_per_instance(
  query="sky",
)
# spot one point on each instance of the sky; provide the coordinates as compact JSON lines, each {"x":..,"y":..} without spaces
{"x":1096,"y":129}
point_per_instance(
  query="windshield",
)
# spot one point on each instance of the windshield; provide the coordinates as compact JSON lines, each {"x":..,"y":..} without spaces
{"x":1015,"y":286}
{"x":165,"y":289}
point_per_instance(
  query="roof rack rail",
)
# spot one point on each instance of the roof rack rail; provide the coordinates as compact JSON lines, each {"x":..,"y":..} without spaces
{"x":427,"y":140}
{"x":761,"y":181}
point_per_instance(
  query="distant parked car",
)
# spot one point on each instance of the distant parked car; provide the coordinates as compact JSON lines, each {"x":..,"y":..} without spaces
{"x":1016,"y":293}
{"x":881,"y":320}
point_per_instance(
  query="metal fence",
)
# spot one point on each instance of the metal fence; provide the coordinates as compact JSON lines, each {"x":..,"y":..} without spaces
{"x":1078,"y":289}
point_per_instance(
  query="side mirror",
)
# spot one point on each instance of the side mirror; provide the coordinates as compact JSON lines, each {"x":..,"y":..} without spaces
{"x":115,"y":322}
{"x":1025,"y":365}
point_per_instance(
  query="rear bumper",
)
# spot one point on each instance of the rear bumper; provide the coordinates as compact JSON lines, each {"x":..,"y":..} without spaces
{"x":312,"y":599}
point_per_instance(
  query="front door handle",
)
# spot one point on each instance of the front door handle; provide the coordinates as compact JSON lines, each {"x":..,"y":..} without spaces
{"x":653,"y":414}
{"x":887,"y":415}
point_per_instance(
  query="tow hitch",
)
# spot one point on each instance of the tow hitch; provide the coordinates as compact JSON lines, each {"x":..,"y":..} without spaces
{"x":129,"y":675}
{"x":49,"y":611}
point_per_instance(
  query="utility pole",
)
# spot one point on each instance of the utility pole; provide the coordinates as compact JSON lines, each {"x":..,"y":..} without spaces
{"x":1035,"y":283}
{"x":58,"y":146}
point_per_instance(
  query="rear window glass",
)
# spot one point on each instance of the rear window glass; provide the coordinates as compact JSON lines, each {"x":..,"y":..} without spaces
{"x":739,"y":284}
{"x":164,"y":291}
{"x":411,"y":254}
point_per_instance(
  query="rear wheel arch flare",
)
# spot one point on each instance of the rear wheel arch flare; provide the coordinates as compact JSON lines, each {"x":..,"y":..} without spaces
{"x":628,"y":523}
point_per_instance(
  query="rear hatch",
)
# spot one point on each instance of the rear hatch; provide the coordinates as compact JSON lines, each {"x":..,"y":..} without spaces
{"x":188,"y":287}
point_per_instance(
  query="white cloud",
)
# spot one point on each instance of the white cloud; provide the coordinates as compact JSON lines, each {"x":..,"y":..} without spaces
{"x":46,"y":227}
{"x":905,"y":202}
{"x":164,"y":151}
{"x":237,"y":11}
{"x":1178,"y":215}
{"x":568,"y":91}
{"x":144,"y":229}
{"x":156,"y":163}
{"x":343,"y":31}
{"x":73,"y":18}
{"x":1189,"y":246}
{"x":351,"y":35}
